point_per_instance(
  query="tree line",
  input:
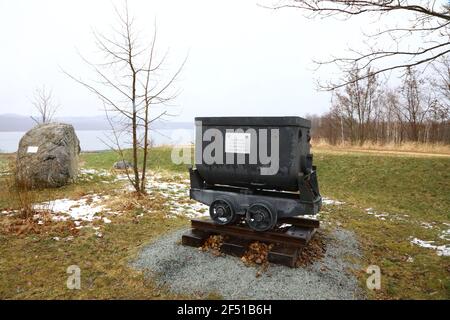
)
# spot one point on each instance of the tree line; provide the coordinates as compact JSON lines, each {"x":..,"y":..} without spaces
{"x":367,"y":109}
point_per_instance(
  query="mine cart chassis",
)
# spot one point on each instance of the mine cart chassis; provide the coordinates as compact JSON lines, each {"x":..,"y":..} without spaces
{"x":262,"y":209}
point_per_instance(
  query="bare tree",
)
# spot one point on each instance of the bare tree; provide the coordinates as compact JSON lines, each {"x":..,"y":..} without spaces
{"x":429,"y":21}
{"x":392,"y":116}
{"x":43,"y":102}
{"x":130,"y":83}
{"x":442,"y":81}
{"x":415,"y":111}
{"x":441,"y":111}
{"x":357,"y":101}
{"x":417,"y":103}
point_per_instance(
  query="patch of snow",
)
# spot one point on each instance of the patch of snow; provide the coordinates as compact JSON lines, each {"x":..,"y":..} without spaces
{"x":106,"y":220}
{"x":332,"y":202}
{"x":86,"y":171}
{"x":86,"y":208}
{"x":9,"y":213}
{"x":121,"y":177}
{"x":427,"y":225}
{"x":177,"y":195}
{"x":445,"y":235}
{"x":311,"y":216}
{"x":285,"y":225}
{"x":381,"y":216}
{"x":442,"y":250}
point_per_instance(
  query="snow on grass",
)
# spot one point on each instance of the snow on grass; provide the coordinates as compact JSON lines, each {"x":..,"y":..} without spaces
{"x":8,"y":213}
{"x":85,"y":171}
{"x":177,"y":194}
{"x":381,"y":216}
{"x":445,"y":235}
{"x":87,"y":208}
{"x":427,"y":225}
{"x":90,"y":173}
{"x":441,"y":250}
{"x":332,"y":202}
{"x":311,"y":216}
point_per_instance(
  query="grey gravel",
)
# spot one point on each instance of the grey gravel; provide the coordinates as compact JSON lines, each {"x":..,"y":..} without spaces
{"x":189,"y":271}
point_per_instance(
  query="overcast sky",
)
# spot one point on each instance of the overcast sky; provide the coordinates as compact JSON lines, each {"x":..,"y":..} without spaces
{"x":242,"y":59}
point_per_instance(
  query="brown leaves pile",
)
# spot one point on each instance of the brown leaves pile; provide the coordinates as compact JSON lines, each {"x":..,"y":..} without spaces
{"x":18,"y":226}
{"x":213,"y":244}
{"x":257,"y":253}
{"x":315,"y":250}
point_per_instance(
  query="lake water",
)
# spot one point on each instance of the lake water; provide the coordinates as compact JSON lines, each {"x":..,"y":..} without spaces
{"x":91,"y":140}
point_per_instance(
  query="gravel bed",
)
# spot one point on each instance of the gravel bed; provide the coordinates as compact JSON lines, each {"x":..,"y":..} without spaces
{"x":190,"y":271}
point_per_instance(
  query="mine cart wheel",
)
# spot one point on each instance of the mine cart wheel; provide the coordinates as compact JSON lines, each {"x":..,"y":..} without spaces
{"x":222,"y":212}
{"x":261,"y":217}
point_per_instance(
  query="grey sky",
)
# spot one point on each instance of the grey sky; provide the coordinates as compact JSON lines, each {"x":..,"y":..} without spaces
{"x":243,"y":59}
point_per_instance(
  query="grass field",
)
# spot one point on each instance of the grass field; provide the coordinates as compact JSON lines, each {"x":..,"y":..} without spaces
{"x":388,"y":200}
{"x":411,"y":197}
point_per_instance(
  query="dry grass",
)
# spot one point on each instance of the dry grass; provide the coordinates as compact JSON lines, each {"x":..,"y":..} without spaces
{"x":125,"y":201}
{"x":21,"y":196}
{"x":406,"y":147}
{"x":35,"y":256}
{"x":36,"y":252}
{"x":33,"y":265}
{"x":17,"y":225}
{"x":412,"y":190}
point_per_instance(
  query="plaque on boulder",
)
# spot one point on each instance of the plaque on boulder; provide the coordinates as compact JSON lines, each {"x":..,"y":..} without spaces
{"x":48,"y":156}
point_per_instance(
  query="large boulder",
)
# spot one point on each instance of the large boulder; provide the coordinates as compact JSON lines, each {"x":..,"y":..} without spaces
{"x":122,"y":165}
{"x":48,"y":156}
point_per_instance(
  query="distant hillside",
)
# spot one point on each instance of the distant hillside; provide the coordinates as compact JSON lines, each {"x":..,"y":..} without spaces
{"x":15,"y":122}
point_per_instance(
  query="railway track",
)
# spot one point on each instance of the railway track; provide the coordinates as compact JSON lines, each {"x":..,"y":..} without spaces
{"x":288,"y":240}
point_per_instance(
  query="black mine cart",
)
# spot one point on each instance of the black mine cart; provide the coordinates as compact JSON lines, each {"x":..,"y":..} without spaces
{"x":255,"y":168}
